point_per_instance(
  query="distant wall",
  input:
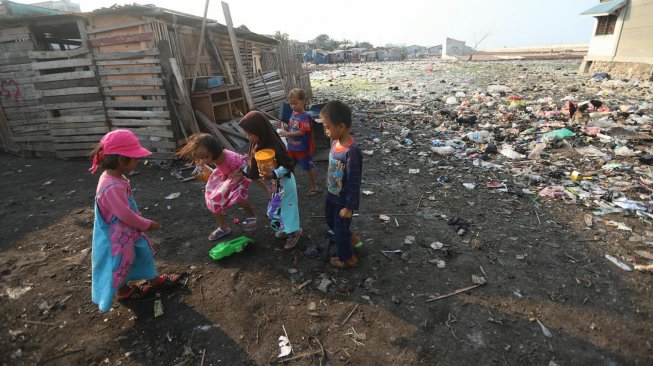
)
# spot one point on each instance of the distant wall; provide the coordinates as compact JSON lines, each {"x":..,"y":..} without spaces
{"x":636,"y":41}
{"x":623,"y":70}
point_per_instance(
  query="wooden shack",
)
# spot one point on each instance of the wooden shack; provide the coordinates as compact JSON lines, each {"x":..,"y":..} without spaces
{"x":67,"y":79}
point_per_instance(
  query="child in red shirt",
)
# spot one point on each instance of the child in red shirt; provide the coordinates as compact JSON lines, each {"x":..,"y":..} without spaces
{"x":300,"y":137}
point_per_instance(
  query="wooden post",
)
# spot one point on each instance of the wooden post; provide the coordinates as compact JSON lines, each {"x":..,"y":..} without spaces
{"x":192,"y":123}
{"x":239,"y":62}
{"x":200,"y":44}
{"x":213,"y":49}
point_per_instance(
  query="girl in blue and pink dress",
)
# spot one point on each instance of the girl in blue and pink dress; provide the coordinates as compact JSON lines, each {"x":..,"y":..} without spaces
{"x":224,"y":188}
{"x":121,"y":251}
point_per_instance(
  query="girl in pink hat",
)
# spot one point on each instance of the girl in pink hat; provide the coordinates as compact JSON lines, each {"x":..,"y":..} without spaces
{"x":121,"y":251}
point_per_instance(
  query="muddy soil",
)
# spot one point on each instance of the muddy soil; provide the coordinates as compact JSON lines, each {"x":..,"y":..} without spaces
{"x":550,"y":294}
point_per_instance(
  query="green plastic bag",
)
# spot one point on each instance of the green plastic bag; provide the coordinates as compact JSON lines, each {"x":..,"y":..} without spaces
{"x":230,"y":247}
{"x":558,"y":135}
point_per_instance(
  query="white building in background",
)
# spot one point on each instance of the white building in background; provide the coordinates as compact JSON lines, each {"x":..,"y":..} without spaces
{"x":622,"y":41}
{"x":452,"y":48}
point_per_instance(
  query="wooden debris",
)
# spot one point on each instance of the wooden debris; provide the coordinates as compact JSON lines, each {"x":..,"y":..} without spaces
{"x":350,"y":314}
{"x":453,"y":293}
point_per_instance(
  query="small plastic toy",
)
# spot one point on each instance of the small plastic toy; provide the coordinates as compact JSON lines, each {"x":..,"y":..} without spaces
{"x":230,"y":247}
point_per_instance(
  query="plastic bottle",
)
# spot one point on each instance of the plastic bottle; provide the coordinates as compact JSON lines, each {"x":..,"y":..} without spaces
{"x":480,"y":137}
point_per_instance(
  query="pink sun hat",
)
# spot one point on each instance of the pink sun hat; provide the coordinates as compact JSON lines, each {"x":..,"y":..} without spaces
{"x":119,"y":142}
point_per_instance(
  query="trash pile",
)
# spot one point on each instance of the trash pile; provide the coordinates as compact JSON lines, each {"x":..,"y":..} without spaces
{"x":560,"y":136}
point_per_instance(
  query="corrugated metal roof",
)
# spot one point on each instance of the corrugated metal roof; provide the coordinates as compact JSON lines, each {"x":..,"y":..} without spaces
{"x":606,"y":8}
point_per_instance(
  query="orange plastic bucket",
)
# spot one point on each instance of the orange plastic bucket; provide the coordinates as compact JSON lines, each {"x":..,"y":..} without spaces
{"x":202,"y":172}
{"x":265,"y":160}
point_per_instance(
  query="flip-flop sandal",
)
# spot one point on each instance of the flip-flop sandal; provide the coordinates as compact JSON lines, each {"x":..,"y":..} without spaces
{"x":168,"y":281}
{"x":249,"y":224}
{"x":218,"y":234}
{"x":313,"y":192}
{"x":138,"y":294}
{"x":292,"y":240}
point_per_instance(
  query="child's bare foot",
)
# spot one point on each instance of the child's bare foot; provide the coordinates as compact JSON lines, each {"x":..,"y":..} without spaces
{"x":130,"y":293}
{"x":293,"y":239}
{"x":313,"y":192}
{"x":280,"y":235}
{"x":351,"y":262}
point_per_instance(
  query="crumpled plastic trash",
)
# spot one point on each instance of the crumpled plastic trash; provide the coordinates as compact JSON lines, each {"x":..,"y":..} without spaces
{"x":512,"y":154}
{"x":558,"y":134}
{"x":624,"y":151}
{"x":172,"y":196}
{"x":285,"y":348}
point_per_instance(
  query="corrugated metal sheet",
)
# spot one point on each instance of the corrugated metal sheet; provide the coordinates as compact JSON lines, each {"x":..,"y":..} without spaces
{"x":606,"y":8}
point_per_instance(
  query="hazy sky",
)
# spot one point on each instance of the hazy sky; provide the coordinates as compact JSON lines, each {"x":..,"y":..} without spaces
{"x":511,"y":23}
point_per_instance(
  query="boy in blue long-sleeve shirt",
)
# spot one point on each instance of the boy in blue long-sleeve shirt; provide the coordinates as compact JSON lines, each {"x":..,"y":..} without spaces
{"x":343,"y":180}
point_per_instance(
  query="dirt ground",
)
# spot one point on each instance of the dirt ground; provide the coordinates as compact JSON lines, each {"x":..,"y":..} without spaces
{"x":542,"y":263}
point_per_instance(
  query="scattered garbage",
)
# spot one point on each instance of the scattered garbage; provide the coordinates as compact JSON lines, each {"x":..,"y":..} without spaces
{"x":324,"y":285}
{"x":545,"y":330}
{"x":173,"y":196}
{"x":479,"y":280}
{"x":618,"y":263}
{"x":439,"y":263}
{"x":15,"y":293}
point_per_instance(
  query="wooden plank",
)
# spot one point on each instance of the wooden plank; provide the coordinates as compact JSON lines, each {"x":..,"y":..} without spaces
{"x":10,"y":57}
{"x":123,"y":38}
{"x":76,"y":131}
{"x":159,"y":144}
{"x":14,"y":37}
{"x":130,"y":70}
{"x":136,"y":114}
{"x":74,"y":105}
{"x":86,"y":146}
{"x":78,"y":98}
{"x":82,"y":112}
{"x":131,"y":82}
{"x":8,"y":142}
{"x":15,"y":30}
{"x":234,"y":46}
{"x":72,"y":154}
{"x":211,"y":128}
{"x":98,"y":56}
{"x":135,"y":103}
{"x":30,"y":121}
{"x":48,"y":55}
{"x":79,"y":138}
{"x":134,"y":92}
{"x":78,"y":119}
{"x":78,"y":126}
{"x":127,"y":62}
{"x":200,"y":45}
{"x":94,"y":30}
{"x":25,"y":115}
{"x":31,"y":128}
{"x":139,"y":122}
{"x":24,"y":109}
{"x":17,"y":46}
{"x":65,"y":76}
{"x":17,"y":74}
{"x":32,"y":138}
{"x":175,"y":90}
{"x":66,"y":84}
{"x":71,"y":91}
{"x":19,"y":103}
{"x":60,"y":64}
{"x":16,"y":67}
{"x":149,"y":132}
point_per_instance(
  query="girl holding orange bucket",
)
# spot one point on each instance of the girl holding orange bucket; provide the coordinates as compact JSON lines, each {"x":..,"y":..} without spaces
{"x":269,"y":159}
{"x":222,"y":190}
